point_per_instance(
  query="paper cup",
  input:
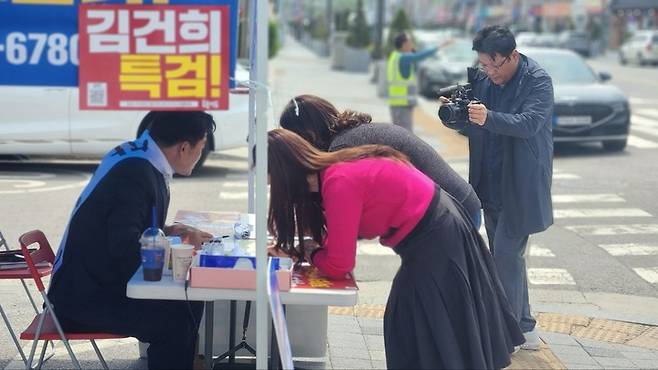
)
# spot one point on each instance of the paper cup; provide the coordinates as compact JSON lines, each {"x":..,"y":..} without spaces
{"x":181,"y":258}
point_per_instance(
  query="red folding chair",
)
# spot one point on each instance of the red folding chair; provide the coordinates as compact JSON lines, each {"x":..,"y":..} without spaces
{"x":21,"y":274}
{"x":45,"y":326}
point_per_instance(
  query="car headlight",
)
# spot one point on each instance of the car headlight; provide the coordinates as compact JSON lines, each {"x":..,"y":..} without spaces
{"x":619,"y":106}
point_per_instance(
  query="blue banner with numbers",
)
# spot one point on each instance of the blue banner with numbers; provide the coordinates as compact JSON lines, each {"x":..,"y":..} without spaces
{"x":39,"y":39}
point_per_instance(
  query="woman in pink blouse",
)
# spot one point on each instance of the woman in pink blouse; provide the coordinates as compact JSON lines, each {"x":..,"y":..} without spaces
{"x":446,"y":308}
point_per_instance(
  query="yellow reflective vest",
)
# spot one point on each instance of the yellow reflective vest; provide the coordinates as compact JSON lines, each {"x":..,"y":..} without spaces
{"x":401,"y":91}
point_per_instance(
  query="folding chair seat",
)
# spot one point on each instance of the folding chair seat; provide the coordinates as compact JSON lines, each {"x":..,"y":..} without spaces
{"x":46,"y":326}
{"x":21,"y":274}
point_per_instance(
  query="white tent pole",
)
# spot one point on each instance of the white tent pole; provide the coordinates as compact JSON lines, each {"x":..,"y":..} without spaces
{"x":262,"y":322}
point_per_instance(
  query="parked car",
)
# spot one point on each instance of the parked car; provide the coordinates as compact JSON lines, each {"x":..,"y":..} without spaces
{"x":642,"y":48}
{"x":526,"y":39}
{"x":531,"y":39}
{"x":579,"y":42}
{"x":41,"y":120}
{"x":448,"y":67}
{"x":586,"y":109}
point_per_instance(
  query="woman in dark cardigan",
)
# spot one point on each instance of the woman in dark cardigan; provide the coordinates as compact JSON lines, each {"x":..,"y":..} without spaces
{"x":320,"y":123}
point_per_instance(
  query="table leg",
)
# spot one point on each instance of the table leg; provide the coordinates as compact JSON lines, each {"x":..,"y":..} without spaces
{"x":207,"y":353}
{"x":231,"y":333}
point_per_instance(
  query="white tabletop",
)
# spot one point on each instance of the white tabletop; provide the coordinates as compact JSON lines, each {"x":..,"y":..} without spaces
{"x":167,"y":288}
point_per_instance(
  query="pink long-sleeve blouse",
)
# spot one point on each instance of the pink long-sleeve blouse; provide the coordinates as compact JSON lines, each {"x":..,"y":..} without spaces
{"x":368,"y":198}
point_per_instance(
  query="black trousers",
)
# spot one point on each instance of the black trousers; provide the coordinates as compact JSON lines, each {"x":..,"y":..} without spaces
{"x":170,"y":327}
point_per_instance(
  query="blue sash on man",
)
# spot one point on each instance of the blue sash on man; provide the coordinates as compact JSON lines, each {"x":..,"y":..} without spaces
{"x":144,"y":147}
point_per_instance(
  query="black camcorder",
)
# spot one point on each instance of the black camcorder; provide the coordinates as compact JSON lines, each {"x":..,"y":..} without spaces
{"x":457,"y":110}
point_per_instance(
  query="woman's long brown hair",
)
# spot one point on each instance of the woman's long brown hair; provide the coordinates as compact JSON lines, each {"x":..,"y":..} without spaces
{"x":294,"y":210}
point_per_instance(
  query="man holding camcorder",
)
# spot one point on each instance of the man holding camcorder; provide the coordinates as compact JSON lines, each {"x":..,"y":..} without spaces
{"x":507,"y":118}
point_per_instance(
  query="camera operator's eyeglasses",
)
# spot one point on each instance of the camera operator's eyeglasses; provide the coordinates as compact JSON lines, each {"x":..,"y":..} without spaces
{"x":485,"y":68}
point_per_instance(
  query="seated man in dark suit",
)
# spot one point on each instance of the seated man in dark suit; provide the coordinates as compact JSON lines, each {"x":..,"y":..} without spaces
{"x":100,"y":250}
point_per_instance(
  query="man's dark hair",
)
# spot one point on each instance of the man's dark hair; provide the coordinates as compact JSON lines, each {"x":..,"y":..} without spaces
{"x":168,"y":128}
{"x":400,"y":39}
{"x":494,"y":40}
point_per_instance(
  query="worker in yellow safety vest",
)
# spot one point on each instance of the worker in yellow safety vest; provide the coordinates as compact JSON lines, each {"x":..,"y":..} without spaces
{"x":401,"y":76}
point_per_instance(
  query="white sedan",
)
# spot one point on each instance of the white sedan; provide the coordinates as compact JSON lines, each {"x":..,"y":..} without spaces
{"x":41,"y":120}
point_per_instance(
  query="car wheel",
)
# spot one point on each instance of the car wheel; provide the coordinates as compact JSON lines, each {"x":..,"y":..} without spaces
{"x":614,"y":145}
{"x":640,"y":60}
{"x":622,"y":60}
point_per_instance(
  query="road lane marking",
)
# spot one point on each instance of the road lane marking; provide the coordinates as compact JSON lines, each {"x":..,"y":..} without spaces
{"x":235,"y":184}
{"x":599,"y":230}
{"x":649,"y":274}
{"x":630,"y":249}
{"x":638,"y":142}
{"x":648,"y":112}
{"x":228,"y":195}
{"x":588,"y":198}
{"x":539,"y":251}
{"x":549,"y":276}
{"x":565,"y":176}
{"x":600,"y":213}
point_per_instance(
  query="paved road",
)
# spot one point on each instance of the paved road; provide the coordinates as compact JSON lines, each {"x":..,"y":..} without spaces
{"x":605,"y":238}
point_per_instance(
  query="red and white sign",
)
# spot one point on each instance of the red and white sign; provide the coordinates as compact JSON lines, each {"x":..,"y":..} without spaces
{"x":154,"y":57}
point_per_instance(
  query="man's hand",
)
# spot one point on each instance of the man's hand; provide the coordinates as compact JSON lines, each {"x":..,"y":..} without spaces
{"x":443,"y":100}
{"x":188,"y":234}
{"x":477,"y":113}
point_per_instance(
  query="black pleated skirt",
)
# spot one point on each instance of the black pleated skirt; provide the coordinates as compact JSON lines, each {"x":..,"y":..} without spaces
{"x":447,"y":308}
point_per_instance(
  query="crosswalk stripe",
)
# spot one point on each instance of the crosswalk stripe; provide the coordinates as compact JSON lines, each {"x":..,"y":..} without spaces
{"x":645,"y":130}
{"x":549,"y":276}
{"x":641,"y":121}
{"x":648,"y":112}
{"x":596,"y":230}
{"x":565,"y":176}
{"x":539,"y":251}
{"x":587,"y":198}
{"x":600,"y":213}
{"x":630,"y":249}
{"x":638,"y":142}
{"x":234,"y":184}
{"x":649,"y":274}
{"x":233,"y":195}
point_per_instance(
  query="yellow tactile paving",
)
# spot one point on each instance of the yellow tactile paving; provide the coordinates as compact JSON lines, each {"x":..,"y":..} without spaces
{"x":631,"y":334}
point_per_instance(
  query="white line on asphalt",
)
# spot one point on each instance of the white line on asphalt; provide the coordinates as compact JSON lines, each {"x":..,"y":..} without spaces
{"x":642,"y":101}
{"x":638,"y":142}
{"x":372,"y":248}
{"x":233,"y":195}
{"x":648,"y":112}
{"x":640,"y":229}
{"x":539,"y":251}
{"x":600,"y":213}
{"x":630,"y":249}
{"x":234,"y":184}
{"x":51,"y":188}
{"x":549,"y":276}
{"x":649,"y":274}
{"x":565,"y":176}
{"x":645,"y":130}
{"x":587,"y":198}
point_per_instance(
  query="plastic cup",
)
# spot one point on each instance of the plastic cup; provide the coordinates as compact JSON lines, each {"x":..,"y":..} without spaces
{"x":152,"y":263}
{"x":181,"y":259}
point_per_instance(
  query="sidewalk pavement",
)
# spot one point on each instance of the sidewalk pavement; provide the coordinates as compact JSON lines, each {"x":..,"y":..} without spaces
{"x":579,"y":330}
